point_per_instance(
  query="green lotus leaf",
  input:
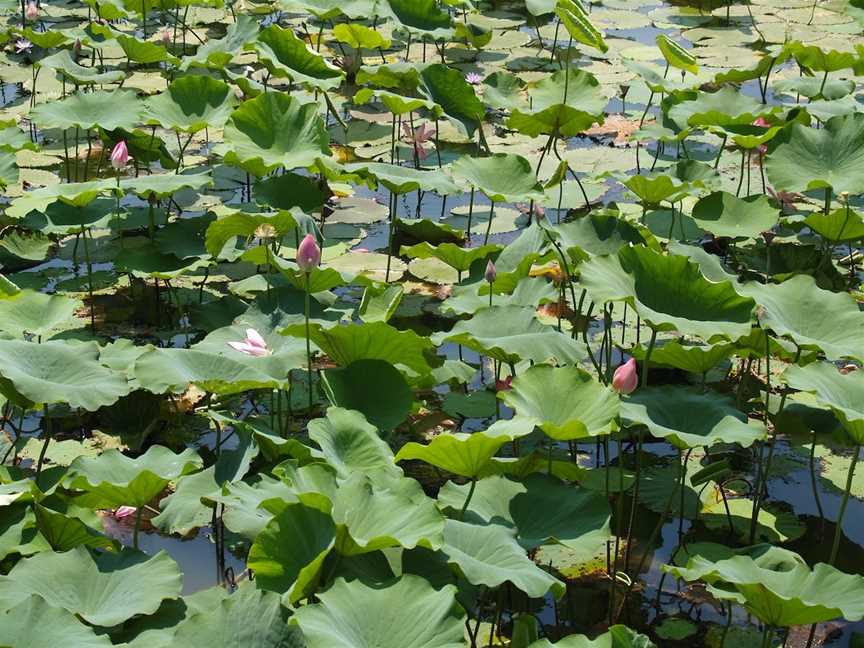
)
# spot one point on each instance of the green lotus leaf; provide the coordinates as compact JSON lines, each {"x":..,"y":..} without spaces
{"x":243,"y":512}
{"x":191,"y":104}
{"x":777,"y":586}
{"x":503,"y":91}
{"x":669,"y":292}
{"x":840,"y":225}
{"x":668,"y":412}
{"x":529,"y":291}
{"x":149,"y":261}
{"x":321,"y":9}
{"x":58,"y":372}
{"x":724,"y":214}
{"x":804,"y":158}
{"x":659,"y":483}
{"x":69,"y":69}
{"x":448,"y":88}
{"x":359,"y":36}
{"x":104,"y":590}
{"x":380,"y":302}
{"x":419,"y":16}
{"x":112,"y":479}
{"x":395,"y":103}
{"x":676,"y":56}
{"x":64,"y":532}
{"x":774,"y":524}
{"x":513,"y":333}
{"x":457,"y":257}
{"x":653,"y":77}
{"x":813,"y":57}
{"x":218,"y":53}
{"x":290,"y":190}
{"x":286,"y":55}
{"x":77,"y":194}
{"x":618,"y":636}
{"x":274,"y":131}
{"x":164,"y":185}
{"x":567,"y":403}
{"x":87,"y":110}
{"x":726,"y":107}
{"x":245,"y":225}
{"x":842,"y":393}
{"x":183,"y":510}
{"x":403,"y":77}
{"x":560,"y":118}
{"x":813,"y":318}
{"x":145,"y":52}
{"x":814,"y":87}
{"x":424,"y":229}
{"x":33,"y":622}
{"x":38,"y":314}
{"x":653,"y":190}
{"x":349,"y":614}
{"x":598,"y":234}
{"x":401,"y":180}
{"x":490,"y":555}
{"x":374,"y":387}
{"x":693,"y":358}
{"x":578,"y":24}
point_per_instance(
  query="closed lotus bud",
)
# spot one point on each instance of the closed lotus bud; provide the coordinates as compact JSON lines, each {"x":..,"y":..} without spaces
{"x":165,"y":37}
{"x":119,"y":155}
{"x":308,"y":254}
{"x":626,"y":378}
{"x":491,"y":272}
{"x":76,"y":47}
{"x":32,"y":11}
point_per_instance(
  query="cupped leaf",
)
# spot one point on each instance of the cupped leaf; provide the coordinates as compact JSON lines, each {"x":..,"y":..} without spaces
{"x":33,"y":623}
{"x":842,"y":393}
{"x":618,"y":636}
{"x":578,"y":24}
{"x":724,"y":214}
{"x":191,"y":104}
{"x":448,"y":88}
{"x":676,"y":56}
{"x":88,"y":110}
{"x":503,"y":177}
{"x":286,"y":55}
{"x":38,"y":314}
{"x":374,"y":387}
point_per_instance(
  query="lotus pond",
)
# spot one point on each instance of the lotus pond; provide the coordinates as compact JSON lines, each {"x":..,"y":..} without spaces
{"x":431,"y":323}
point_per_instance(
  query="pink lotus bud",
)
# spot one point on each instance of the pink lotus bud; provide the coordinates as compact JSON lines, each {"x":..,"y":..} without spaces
{"x":165,"y":37}
{"x":76,"y":48}
{"x":32,"y":11}
{"x":626,"y":378}
{"x":308,"y":254}
{"x":119,"y":155}
{"x":253,"y":345}
{"x":491,"y":272}
{"x":124,"y":511}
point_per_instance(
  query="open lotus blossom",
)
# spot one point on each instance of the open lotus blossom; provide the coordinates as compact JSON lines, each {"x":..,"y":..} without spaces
{"x":626,"y":378}
{"x":123,"y":511}
{"x":32,"y":11}
{"x":308,"y":254}
{"x":119,"y":155}
{"x":253,"y":345}
{"x":417,"y":138}
{"x":473,"y":78}
{"x":491,"y":272}
{"x":23,"y":46}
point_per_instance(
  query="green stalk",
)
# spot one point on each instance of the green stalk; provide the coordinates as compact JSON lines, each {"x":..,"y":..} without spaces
{"x":468,"y":498}
{"x":835,"y":546}
{"x":308,"y":342}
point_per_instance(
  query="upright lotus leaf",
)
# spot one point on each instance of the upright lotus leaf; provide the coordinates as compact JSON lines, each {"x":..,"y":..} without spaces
{"x":244,"y":225}
{"x":567,"y":403}
{"x":669,"y":292}
{"x":460,"y":453}
{"x":64,"y":532}
{"x":694,"y":358}
{"x":242,"y":500}
{"x":371,"y":341}
{"x":191,"y":104}
{"x":667,"y":411}
{"x":816,"y":59}
{"x":58,"y":372}
{"x":554,"y":100}
{"x":396,"y":514}
{"x":510,"y":334}
{"x":38,"y":314}
{"x":653,"y":190}
{"x":840,"y":225}
{"x":457,"y":257}
{"x":165,"y":185}
{"x":490,"y":555}
{"x":804,"y":158}
{"x":111,"y":479}
{"x":104,"y":590}
{"x":401,"y":180}
{"x":778,"y":587}
{"x":842,"y":393}
{"x":360,"y":36}
{"x":813,"y":318}
{"x":189,"y":507}
{"x":218,"y":53}
{"x":287,"y":555}
{"x":286,"y":55}
{"x":448,"y":88}
{"x":676,"y":56}
{"x":87,"y":110}
{"x":145,"y":52}
{"x":597,"y":234}
{"x":575,"y":19}
{"x":33,"y":622}
{"x":503,"y":177}
{"x":274,"y":130}
{"x":618,"y":636}
{"x":726,"y":107}
{"x":69,"y":70}
{"x":374,"y":387}
{"x":379,"y":302}
{"x":724,"y":214}
{"x":395,"y":103}
{"x":396,"y":614}
{"x":424,"y":16}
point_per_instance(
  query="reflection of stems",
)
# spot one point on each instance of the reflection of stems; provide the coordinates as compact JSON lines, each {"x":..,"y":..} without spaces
{"x":468,"y":498}
{"x":727,"y":626}
{"x":835,"y":546}
{"x":89,"y":279}
{"x":47,"y":430}
{"x":308,"y":343}
{"x":489,"y":224}
{"x":470,"y":213}
{"x":814,"y":484}
{"x":137,"y":526}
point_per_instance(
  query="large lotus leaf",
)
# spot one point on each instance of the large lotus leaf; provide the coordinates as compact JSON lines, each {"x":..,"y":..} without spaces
{"x":359,"y":36}
{"x":274,"y":130}
{"x":669,"y":292}
{"x":164,"y":185}
{"x":396,"y":614}
{"x":192,"y":103}
{"x":724,"y":214}
{"x":598,"y":234}
{"x":285,"y":54}
{"x":559,"y":119}
{"x":70,"y":70}
{"x":503,"y":177}
{"x":420,"y":16}
{"x":461,"y":453}
{"x":804,"y":158}
{"x":374,"y":387}
{"x":448,"y":88}
{"x":490,"y":555}
{"x":244,"y":225}
{"x":183,"y":511}
{"x":567,"y":403}
{"x":58,"y":372}
{"x":397,"y":514}
{"x":242,"y":500}
{"x":38,"y":314}
{"x":78,"y":194}
{"x":813,"y":57}
{"x":668,"y":411}
{"x":455,"y":256}
{"x":578,"y":24}
{"x":840,"y":225}
{"x":400,"y":179}
{"x":812,"y":317}
{"x":694,"y":358}
{"x":529,"y":291}
{"x":217,"y":53}
{"x":676,"y":56}
{"x":371,"y":341}
{"x":618,"y":636}
{"x":290,"y":190}
{"x":173,"y":370}
{"x":513,"y":333}
{"x":541,"y":508}
{"x":86,"y":110}
{"x":112,"y":479}
{"x":778,"y":587}
{"x":582,"y":90}
{"x":33,"y":623}
{"x":288,"y":553}
{"x":104,"y":590}
{"x":726,"y":107}
{"x":774,"y":525}
{"x":351,"y":445}
{"x":842,"y":393}
{"x":654,"y":189}
{"x":142,"y":51}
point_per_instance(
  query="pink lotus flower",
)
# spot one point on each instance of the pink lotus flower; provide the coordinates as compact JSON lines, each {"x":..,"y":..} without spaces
{"x":123,"y":511}
{"x":491,"y":272}
{"x":473,"y":78}
{"x":626,"y":378}
{"x":504,"y":385}
{"x":761,"y":122}
{"x":308,"y":254}
{"x":119,"y":155}
{"x":785,"y":198}
{"x":32,"y":11}
{"x":253,"y":345}
{"x":417,"y":138}
{"x":165,"y":37}
{"x":23,"y":46}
